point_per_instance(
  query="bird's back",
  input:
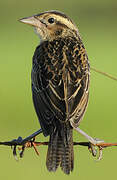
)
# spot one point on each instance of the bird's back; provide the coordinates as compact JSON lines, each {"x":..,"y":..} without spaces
{"x":60,"y":80}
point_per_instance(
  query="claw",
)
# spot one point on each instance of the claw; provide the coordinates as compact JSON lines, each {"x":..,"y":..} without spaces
{"x":100,"y":148}
{"x":100,"y":153}
{"x":22,"y":152}
{"x":22,"y":149}
{"x":93,"y":148}
{"x":28,"y":144}
{"x":15,"y":143}
{"x":15,"y":153}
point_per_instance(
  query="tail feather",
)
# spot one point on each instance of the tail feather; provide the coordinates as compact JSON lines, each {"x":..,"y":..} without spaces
{"x":53,"y":155}
{"x":67,"y":160}
{"x":60,"y":151}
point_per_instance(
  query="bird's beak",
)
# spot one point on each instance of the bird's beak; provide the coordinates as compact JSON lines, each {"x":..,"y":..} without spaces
{"x":33,"y":21}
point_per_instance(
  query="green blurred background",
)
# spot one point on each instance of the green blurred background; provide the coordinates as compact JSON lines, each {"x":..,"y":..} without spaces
{"x":97,"y":22}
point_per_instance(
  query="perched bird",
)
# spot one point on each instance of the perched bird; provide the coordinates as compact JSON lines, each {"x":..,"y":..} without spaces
{"x":60,"y":84}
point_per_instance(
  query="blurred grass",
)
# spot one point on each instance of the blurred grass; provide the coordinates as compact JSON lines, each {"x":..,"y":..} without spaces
{"x":97,"y":22}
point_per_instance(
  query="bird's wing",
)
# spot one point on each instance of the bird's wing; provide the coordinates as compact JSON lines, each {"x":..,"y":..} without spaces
{"x":60,"y":85}
{"x":78,"y":83}
{"x":47,"y":90}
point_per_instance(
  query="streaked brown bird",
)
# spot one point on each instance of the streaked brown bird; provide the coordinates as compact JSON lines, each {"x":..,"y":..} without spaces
{"x":60,"y":84}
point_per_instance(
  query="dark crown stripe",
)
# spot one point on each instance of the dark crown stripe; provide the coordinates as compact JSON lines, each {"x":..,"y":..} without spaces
{"x":56,"y":13}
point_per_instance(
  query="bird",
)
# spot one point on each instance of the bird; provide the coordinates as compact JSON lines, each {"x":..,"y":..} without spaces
{"x":60,"y":80}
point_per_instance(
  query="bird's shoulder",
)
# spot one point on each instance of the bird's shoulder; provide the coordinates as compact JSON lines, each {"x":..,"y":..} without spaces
{"x":52,"y":59}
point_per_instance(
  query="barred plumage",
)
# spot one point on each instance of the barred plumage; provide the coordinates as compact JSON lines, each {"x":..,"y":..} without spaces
{"x":60,"y":150}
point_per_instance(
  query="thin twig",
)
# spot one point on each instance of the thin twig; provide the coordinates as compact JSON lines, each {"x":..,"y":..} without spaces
{"x":103,"y":73}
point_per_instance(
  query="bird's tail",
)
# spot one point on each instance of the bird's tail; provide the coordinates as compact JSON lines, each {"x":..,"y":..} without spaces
{"x":60,"y":150}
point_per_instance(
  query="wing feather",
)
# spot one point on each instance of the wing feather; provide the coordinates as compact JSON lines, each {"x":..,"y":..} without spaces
{"x":60,"y":84}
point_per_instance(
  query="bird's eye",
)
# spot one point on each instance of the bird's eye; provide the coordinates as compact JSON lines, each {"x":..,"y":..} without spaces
{"x":51,"y":20}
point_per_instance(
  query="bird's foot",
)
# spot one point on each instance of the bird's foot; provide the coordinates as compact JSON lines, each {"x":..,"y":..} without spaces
{"x":95,"y":147}
{"x":19,"y":142}
{"x":14,"y":143}
{"x":24,"y":143}
{"x":94,"y":143}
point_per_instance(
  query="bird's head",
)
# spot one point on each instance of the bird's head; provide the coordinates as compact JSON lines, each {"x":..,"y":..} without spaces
{"x":51,"y":25}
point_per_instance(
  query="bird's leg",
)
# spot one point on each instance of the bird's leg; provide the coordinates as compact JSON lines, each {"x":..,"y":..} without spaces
{"x":24,"y":143}
{"x":89,"y":138}
{"x":94,"y":142}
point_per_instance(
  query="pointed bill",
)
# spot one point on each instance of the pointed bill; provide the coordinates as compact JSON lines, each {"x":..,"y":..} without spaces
{"x":33,"y":21}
